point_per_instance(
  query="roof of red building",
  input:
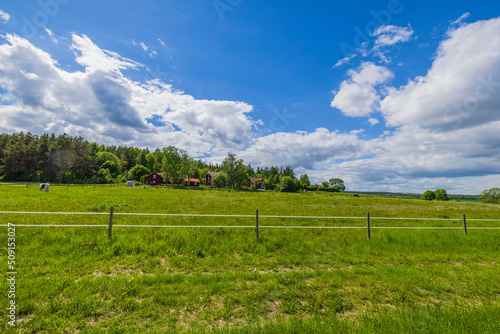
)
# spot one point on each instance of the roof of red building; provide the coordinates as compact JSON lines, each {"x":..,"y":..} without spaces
{"x":191,"y":180}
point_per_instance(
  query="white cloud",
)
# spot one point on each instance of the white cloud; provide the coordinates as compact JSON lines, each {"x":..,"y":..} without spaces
{"x":460,"y":89}
{"x":103,"y":105}
{"x":415,"y":159}
{"x":52,"y":35}
{"x":303,"y":149}
{"x":460,"y":20}
{"x":161,"y":42}
{"x":357,"y":95}
{"x":390,"y":35}
{"x":95,"y":59}
{"x":144,"y":46}
{"x":344,"y":60}
{"x":432,"y":146}
{"x":4,"y":16}
{"x":373,"y":121}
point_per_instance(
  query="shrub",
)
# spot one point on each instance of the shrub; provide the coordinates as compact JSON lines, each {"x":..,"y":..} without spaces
{"x":329,"y":189}
{"x":287,"y":184}
{"x":429,"y":195}
{"x":441,"y":195}
{"x":137,"y":172}
{"x":490,"y":196}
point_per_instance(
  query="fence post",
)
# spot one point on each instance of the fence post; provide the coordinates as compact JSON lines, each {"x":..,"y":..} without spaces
{"x":110,"y":228}
{"x":464,"y":221}
{"x":368,"y":224}
{"x":257,"y":224}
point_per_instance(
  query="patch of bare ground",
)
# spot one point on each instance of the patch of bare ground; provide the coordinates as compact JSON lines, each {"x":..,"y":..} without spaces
{"x":120,"y":271}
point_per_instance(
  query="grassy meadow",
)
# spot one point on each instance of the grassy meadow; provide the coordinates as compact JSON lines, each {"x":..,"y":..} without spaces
{"x":220,"y":280}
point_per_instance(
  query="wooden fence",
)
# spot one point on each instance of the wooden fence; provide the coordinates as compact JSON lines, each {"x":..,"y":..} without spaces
{"x":368,"y":219}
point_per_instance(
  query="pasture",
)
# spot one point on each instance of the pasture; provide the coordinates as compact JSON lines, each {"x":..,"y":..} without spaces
{"x":202,"y":280}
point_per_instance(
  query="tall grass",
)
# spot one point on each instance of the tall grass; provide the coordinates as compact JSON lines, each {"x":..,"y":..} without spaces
{"x":222,"y":280}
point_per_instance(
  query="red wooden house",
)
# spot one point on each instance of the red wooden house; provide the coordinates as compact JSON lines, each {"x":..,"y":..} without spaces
{"x":253,"y":180}
{"x":155,"y":179}
{"x":192,"y":182}
{"x":209,"y":176}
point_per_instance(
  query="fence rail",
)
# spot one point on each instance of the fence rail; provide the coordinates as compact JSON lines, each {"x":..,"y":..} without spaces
{"x":256,"y":226}
{"x":237,"y":216}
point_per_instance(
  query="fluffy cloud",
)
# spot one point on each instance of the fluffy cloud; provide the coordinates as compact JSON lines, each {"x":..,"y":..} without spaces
{"x":444,"y":125}
{"x":303,"y":149}
{"x":102,"y":104}
{"x":461,"y":88}
{"x":414,"y":159}
{"x":357,"y":95}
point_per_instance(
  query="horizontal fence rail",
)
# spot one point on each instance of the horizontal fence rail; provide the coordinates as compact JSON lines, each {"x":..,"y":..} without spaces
{"x":368,"y":227}
{"x":270,"y":227}
{"x":236,"y":216}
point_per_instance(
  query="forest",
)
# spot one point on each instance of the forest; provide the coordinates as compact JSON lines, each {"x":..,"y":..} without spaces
{"x":65,"y":159}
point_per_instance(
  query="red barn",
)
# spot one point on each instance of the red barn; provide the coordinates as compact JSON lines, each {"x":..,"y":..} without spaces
{"x":208,"y":178}
{"x":192,"y":182}
{"x":155,"y":179}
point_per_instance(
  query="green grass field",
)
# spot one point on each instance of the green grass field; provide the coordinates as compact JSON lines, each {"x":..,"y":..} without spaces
{"x":168,"y":280}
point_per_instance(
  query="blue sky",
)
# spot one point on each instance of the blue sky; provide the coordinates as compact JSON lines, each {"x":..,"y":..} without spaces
{"x":388,"y":95}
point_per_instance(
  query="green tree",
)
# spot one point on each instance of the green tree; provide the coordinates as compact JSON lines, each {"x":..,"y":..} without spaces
{"x":151,"y":161}
{"x":104,"y":176}
{"x":429,"y":195}
{"x":142,"y":159}
{"x":219,"y":180}
{"x":137,"y":172}
{"x":236,"y":171}
{"x":172,"y":163}
{"x":188,"y":166}
{"x":441,"y":195}
{"x":490,"y":196}
{"x":270,"y":184}
{"x":337,"y":183}
{"x":112,"y":167}
{"x":305,"y":180}
{"x":102,"y":157}
{"x":325,"y":184}
{"x":287,"y":184}
{"x":288,"y":171}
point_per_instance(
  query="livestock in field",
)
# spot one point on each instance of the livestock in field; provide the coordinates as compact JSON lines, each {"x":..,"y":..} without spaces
{"x":44,"y":187}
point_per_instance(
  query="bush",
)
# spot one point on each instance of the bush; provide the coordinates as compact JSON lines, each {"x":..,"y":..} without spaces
{"x":219,"y":180}
{"x":137,"y":172}
{"x":287,"y":184}
{"x":429,"y":195}
{"x":441,"y":195}
{"x":312,"y":188}
{"x":490,"y":196}
{"x":269,"y":185}
{"x":329,"y":189}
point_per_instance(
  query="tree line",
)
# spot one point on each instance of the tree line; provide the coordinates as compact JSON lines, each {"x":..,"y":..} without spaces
{"x":66,"y":159}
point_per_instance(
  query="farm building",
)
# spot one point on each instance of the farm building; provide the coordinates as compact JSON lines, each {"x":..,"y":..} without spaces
{"x":253,"y":180}
{"x":192,"y":182}
{"x":209,"y":176}
{"x":154,"y":179}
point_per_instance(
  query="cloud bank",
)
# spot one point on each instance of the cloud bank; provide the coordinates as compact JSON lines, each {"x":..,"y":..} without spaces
{"x":441,"y":128}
